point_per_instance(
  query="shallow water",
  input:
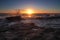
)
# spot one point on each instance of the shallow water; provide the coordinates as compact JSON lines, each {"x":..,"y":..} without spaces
{"x":37,"y":22}
{"x":42,"y":23}
{"x":9,"y":30}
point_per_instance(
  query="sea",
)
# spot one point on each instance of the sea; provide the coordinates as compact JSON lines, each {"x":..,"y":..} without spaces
{"x":54,"y":23}
{"x":27,"y":29}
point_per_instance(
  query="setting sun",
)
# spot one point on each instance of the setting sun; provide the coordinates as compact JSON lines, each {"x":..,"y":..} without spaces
{"x":29,"y":11}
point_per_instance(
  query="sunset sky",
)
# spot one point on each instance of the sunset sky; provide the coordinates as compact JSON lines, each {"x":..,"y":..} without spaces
{"x":39,"y":6}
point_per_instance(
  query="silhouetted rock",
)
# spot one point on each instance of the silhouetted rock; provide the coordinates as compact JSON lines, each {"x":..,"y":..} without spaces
{"x":14,"y":18}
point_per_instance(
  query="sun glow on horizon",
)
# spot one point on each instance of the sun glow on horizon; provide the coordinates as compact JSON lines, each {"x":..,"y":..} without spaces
{"x":29,"y":11}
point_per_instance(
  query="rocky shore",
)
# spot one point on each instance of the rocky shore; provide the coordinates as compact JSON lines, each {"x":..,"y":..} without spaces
{"x":28,"y":31}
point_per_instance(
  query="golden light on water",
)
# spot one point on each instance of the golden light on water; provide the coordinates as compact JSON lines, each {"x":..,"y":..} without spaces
{"x":29,"y":16}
